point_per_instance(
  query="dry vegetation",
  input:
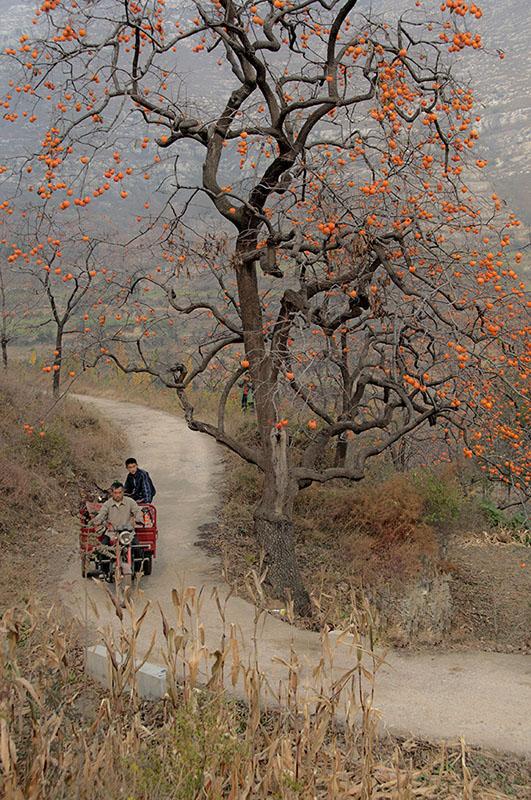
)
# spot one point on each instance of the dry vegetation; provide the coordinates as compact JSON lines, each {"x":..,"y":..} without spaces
{"x":413,"y":544}
{"x":438,"y":563}
{"x":136,"y":388}
{"x":63,"y":738}
{"x":41,"y":478}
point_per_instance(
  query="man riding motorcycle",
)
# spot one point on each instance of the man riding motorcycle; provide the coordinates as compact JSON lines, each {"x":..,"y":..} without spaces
{"x":120,"y":513}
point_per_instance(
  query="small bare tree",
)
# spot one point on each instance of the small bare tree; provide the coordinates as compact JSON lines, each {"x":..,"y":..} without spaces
{"x":13,"y":305}
{"x":60,"y":275}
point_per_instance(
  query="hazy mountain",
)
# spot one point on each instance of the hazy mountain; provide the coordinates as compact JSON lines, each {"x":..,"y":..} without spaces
{"x":504,"y":89}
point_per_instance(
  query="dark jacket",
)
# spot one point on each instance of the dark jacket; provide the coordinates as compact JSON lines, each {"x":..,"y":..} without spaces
{"x":140,"y":486}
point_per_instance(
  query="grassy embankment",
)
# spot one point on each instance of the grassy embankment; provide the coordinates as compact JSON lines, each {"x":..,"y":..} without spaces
{"x":49,"y":453}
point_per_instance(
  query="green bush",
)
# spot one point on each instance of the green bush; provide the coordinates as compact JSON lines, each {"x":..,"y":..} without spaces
{"x":500,"y":519}
{"x":443,"y":498}
{"x":179,"y":760}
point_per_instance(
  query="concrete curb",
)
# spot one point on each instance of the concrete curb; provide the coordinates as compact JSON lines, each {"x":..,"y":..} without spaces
{"x":151,"y":680}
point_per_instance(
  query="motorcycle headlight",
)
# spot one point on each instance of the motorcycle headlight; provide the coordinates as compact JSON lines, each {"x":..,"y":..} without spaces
{"x":125,"y":537}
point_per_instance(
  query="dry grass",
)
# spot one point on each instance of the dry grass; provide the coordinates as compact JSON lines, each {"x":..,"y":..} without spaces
{"x":491,"y":587}
{"x":136,"y":388}
{"x":400,"y":542}
{"x":354,"y":542}
{"x":109,"y":381}
{"x":41,"y":479}
{"x":378,"y":526}
{"x":62,"y":738}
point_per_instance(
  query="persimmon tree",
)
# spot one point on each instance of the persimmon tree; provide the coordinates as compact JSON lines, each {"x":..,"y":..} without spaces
{"x":346,"y":264}
{"x":66,"y":280}
{"x":15,"y":307}
{"x":66,"y":288}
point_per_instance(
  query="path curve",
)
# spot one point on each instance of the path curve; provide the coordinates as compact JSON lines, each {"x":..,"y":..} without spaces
{"x":484,"y":697}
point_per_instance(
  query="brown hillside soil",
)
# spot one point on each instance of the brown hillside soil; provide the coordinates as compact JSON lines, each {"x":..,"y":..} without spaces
{"x":491,"y":589}
{"x":369,"y":546}
{"x":41,"y":480}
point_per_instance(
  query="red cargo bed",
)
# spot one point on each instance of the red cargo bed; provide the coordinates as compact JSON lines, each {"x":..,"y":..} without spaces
{"x":147,"y":535}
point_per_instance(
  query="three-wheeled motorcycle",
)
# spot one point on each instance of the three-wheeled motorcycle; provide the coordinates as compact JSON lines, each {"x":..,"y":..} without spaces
{"x":118,"y":556}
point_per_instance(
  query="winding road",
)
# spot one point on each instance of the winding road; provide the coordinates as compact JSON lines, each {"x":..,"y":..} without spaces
{"x":484,"y":697}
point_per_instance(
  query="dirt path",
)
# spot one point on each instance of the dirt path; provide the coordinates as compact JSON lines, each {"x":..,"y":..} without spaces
{"x":484,"y":697}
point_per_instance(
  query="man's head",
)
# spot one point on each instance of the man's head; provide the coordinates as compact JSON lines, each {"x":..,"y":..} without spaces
{"x":131,"y":465}
{"x":117,"y":491}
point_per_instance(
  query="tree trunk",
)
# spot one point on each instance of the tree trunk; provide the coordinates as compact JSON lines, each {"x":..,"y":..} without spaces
{"x":274,"y":531}
{"x":341,"y":451}
{"x":399,"y":454}
{"x":56,"y":385}
{"x":4,"y":351}
{"x":274,"y":513}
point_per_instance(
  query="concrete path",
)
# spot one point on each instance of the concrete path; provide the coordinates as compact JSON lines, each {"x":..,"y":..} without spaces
{"x":484,"y":697}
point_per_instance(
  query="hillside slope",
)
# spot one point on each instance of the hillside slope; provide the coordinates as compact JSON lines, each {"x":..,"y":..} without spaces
{"x":41,"y":477}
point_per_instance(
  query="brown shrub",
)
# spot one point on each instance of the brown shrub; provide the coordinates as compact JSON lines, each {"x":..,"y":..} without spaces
{"x":377,"y":525}
{"x":371,"y":541}
{"x":390,"y":511}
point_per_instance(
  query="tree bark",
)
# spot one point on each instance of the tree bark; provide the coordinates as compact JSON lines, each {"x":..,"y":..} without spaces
{"x":274,"y":530}
{"x":340,"y":459}
{"x":4,"y":352}
{"x":56,"y":385}
{"x":399,"y":454}
{"x":274,"y":513}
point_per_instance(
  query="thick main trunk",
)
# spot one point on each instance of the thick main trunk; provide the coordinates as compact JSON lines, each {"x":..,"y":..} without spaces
{"x":274,"y":528}
{"x":274,"y":514}
{"x":276,"y":538}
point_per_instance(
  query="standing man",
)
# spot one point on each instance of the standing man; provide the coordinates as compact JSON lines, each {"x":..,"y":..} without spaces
{"x":138,"y":483}
{"x":247,"y":394}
